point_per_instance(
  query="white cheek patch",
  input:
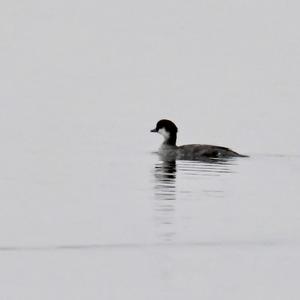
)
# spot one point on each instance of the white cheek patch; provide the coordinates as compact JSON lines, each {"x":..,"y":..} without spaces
{"x":164,"y":133}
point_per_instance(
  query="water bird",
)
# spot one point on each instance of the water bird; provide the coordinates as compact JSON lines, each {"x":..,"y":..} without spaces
{"x":170,"y":151}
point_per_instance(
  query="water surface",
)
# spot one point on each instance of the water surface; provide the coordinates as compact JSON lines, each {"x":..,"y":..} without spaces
{"x":88,"y":211}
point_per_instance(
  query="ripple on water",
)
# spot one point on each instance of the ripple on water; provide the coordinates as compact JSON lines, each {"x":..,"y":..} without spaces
{"x":184,"y":180}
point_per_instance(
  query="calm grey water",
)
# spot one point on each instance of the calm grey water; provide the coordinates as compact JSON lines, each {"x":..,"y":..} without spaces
{"x":87,"y":218}
{"x":87,"y":209}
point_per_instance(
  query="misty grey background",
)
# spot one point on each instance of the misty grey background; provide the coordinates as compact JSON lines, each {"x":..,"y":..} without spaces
{"x":82,"y":83}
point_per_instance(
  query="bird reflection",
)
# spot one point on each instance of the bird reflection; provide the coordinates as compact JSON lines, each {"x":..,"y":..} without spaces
{"x":165,"y":196}
{"x":207,"y":167}
{"x":207,"y":186}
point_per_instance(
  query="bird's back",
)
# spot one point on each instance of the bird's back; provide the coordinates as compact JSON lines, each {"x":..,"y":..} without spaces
{"x":198,"y":151}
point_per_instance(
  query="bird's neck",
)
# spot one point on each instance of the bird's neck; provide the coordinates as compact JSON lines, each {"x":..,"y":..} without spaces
{"x":171,"y":141}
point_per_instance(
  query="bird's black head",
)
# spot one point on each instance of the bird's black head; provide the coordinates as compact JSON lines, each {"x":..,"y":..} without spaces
{"x":168,"y":125}
{"x":168,"y":130}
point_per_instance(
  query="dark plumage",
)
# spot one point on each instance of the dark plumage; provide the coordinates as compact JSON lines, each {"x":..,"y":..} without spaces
{"x":169,"y":150}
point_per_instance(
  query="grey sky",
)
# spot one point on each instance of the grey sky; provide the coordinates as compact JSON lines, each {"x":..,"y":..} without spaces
{"x":212,"y":65}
